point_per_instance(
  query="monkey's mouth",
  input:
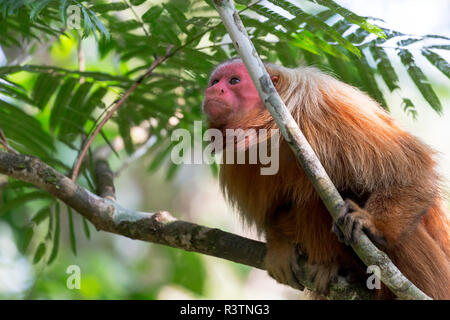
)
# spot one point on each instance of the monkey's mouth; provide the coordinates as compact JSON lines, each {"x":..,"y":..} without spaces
{"x":216,"y":110}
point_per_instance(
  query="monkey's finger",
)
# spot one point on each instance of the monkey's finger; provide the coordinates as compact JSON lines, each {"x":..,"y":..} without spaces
{"x":343,"y":212}
{"x":356,"y":231}
{"x":349,"y":222}
{"x":337,"y":231}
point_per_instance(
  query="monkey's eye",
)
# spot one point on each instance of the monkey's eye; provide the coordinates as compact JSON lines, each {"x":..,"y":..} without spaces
{"x":234,"y":80}
{"x":214,"y":82}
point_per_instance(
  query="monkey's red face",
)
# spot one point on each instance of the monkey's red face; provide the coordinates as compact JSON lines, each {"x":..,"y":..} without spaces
{"x":231,"y":92}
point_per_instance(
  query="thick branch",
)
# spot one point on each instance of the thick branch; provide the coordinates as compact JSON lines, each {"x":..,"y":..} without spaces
{"x":159,"y":227}
{"x":366,"y":250}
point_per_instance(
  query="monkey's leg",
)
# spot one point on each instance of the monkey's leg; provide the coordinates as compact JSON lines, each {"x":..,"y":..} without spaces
{"x":281,"y":263}
{"x":291,"y":240}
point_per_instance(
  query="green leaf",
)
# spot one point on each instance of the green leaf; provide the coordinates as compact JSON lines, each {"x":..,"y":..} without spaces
{"x":87,"y":232}
{"x":88,"y":24}
{"x":352,"y":17}
{"x":165,"y":27}
{"x":37,"y":7}
{"x":409,"y":108}
{"x":407,"y":42}
{"x":274,"y":16}
{"x":41,"y":215}
{"x":73,"y":241}
{"x":63,"y":11}
{"x":22,"y":199}
{"x":105,"y":7}
{"x":127,"y":25}
{"x":86,"y":109}
{"x":385,"y":67}
{"x":437,"y":61}
{"x":309,"y":41}
{"x":27,"y":236}
{"x":177,"y":16}
{"x":301,"y":17}
{"x":62,"y":101}
{"x":420,"y":80}
{"x":214,"y":169}
{"x":100,"y":26}
{"x":345,"y":71}
{"x":44,"y":88}
{"x":369,"y":82}
{"x":73,"y":116}
{"x":171,"y":172}
{"x":40,"y":251}
{"x":152,"y":14}
{"x":442,"y":47}
{"x":57,"y":227}
{"x":137,"y":2}
{"x":10,"y":89}
{"x":303,"y":41}
{"x":124,"y":129}
{"x":27,"y":134}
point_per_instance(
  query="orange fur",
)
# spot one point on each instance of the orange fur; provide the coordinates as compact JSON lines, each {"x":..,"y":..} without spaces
{"x":370,"y":159}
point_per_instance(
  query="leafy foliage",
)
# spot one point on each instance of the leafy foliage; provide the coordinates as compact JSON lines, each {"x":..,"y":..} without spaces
{"x":46,"y":108}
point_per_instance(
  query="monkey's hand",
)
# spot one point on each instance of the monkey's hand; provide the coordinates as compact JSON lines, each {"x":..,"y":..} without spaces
{"x":355,"y":221}
{"x":281,"y":263}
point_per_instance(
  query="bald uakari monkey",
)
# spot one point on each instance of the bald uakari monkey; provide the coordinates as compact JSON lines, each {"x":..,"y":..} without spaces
{"x":387,"y":175}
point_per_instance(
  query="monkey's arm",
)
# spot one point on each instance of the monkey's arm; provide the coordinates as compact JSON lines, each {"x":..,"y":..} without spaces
{"x":282,"y":252}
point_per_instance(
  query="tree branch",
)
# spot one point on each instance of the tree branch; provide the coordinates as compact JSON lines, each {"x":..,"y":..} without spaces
{"x":4,"y":142}
{"x":366,"y":250}
{"x":158,"y":227}
{"x":120,"y":102}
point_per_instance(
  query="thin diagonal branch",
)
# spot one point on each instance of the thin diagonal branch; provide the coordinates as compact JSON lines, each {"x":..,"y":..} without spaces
{"x":120,"y":102}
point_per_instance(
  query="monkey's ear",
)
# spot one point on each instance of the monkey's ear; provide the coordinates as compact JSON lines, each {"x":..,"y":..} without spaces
{"x":275,"y":80}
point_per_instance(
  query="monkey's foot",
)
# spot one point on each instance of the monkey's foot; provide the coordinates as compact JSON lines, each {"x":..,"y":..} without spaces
{"x":321,"y":275}
{"x":355,"y":221}
{"x":281,"y":264}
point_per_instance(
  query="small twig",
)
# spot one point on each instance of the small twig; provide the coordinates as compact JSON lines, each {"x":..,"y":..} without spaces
{"x":5,"y":144}
{"x":158,"y":61}
{"x":138,"y":18}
